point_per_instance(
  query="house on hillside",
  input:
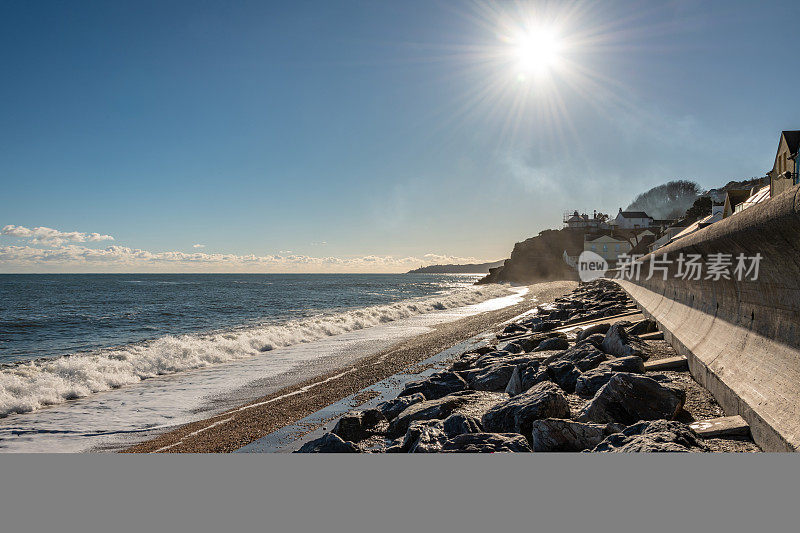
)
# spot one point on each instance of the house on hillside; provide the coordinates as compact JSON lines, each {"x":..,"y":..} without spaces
{"x":784,"y":173}
{"x":632,"y":220}
{"x":611,"y":244}
{"x":733,"y":198}
{"x":582,"y":221}
{"x":607,"y":246}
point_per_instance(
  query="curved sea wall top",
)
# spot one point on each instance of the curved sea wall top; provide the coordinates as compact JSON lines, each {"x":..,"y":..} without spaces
{"x":742,"y":337}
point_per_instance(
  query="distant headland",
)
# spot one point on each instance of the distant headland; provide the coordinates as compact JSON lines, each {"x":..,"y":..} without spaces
{"x":480,"y":268}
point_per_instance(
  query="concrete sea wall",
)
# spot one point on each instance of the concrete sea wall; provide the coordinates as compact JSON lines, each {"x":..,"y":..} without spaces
{"x":742,"y":338}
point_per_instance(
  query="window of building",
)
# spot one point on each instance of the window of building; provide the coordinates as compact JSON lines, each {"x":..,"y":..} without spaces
{"x":594,"y":247}
{"x":605,"y":247}
{"x":616,"y":247}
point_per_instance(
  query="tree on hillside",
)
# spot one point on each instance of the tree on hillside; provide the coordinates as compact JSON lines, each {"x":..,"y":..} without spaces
{"x":668,"y":201}
{"x":700,"y":208}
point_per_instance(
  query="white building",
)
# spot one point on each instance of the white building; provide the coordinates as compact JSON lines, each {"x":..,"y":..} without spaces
{"x":632,"y":220}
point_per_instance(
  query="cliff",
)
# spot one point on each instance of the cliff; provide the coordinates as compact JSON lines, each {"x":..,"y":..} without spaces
{"x":539,"y":258}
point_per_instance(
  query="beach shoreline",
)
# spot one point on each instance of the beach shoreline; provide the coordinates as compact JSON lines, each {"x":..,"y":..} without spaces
{"x":240,"y":425}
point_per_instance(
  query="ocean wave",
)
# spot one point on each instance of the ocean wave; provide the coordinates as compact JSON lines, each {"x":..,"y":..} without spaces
{"x":32,"y":385}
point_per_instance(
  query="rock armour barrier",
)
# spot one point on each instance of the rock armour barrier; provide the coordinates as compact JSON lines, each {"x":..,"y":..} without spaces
{"x":742,"y":338}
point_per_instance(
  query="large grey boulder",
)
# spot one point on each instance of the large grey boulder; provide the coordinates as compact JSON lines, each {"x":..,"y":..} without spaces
{"x":491,"y":378}
{"x":559,"y":435}
{"x":653,"y":436}
{"x":530,"y":342}
{"x":531,"y":376}
{"x":595,"y":340}
{"x":459,"y":423}
{"x":359,"y":425}
{"x":593,"y":380}
{"x":628,"y":398}
{"x":516,"y":414}
{"x":472,"y":403}
{"x":487,"y":443}
{"x":328,"y":443}
{"x":591,"y":361}
{"x":526,"y":374}
{"x":555,"y":343}
{"x":643,"y":326}
{"x":574,"y":354}
{"x":592,"y":330}
{"x":564,"y":374}
{"x":425,"y":436}
{"x":464,"y":363}
{"x":620,"y":343}
{"x":546,"y":325}
{"x":394,"y":407}
{"x":437,"y":409}
{"x":513,"y":347}
{"x":491,"y":358}
{"x":582,"y":352}
{"x":437,"y":385}
{"x":588,"y":383}
{"x":514,"y":385}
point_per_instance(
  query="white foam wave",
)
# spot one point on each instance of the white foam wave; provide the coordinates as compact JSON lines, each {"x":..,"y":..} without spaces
{"x":33,"y":385}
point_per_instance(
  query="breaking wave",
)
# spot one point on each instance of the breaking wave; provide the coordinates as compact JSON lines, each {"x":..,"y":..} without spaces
{"x":29,"y":386}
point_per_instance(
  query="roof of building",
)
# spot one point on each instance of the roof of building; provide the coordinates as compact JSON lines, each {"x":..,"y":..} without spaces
{"x":737,"y":196}
{"x":792,"y":139}
{"x":594,"y":236}
{"x":634,"y":214}
{"x":703,"y":222}
{"x":757,"y":197}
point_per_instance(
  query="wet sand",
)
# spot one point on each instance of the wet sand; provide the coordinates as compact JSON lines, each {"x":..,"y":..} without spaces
{"x":239,"y":426}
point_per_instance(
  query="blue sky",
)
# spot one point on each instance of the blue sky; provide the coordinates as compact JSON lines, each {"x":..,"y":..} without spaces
{"x":363,"y":136}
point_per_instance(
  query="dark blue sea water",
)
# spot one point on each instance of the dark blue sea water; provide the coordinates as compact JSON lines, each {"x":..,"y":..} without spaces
{"x":98,"y":360}
{"x":56,"y":315}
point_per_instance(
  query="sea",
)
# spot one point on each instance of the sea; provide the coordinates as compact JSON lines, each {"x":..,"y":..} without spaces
{"x":99,"y":361}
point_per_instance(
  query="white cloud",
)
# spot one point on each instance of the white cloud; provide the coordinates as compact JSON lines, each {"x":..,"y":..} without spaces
{"x":198,"y":246}
{"x":123,"y":259}
{"x":52,"y":237}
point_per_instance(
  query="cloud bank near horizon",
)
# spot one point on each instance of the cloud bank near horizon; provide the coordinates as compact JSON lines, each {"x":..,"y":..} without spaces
{"x":61,"y":255}
{"x":51,"y":237}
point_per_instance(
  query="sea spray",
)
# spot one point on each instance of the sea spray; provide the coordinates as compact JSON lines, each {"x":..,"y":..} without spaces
{"x":29,"y":386}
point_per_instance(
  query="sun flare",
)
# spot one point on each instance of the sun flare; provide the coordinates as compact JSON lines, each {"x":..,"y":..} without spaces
{"x":537,"y":51}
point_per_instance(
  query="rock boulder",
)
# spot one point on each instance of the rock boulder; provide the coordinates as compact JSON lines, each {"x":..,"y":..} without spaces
{"x":653,"y":436}
{"x":487,"y":443}
{"x":620,"y":343}
{"x":628,"y":398}
{"x":328,"y":443}
{"x":516,"y":414}
{"x":392,"y":408}
{"x":559,"y":435}
{"x":437,"y":385}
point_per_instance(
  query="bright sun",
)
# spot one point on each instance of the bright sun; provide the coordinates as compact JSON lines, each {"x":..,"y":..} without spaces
{"x":537,"y":51}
